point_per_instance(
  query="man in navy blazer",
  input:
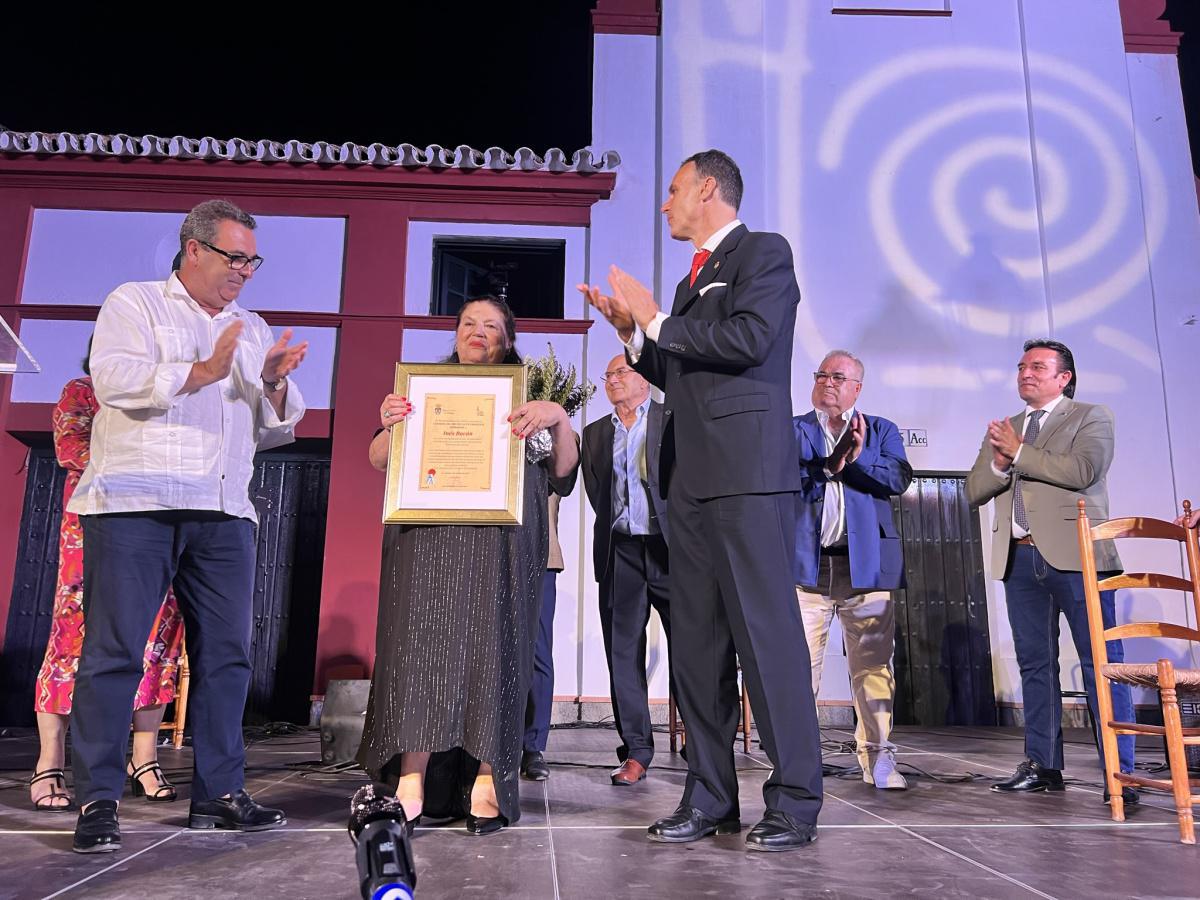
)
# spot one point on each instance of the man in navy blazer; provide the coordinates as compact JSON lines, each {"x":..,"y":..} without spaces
{"x":848,"y":555}
{"x":723,"y":356}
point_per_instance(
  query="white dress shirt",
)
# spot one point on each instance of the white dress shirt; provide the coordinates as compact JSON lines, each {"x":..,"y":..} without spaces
{"x":1017,"y":531}
{"x":635,"y":344}
{"x":833,"y":510}
{"x":154,"y":448}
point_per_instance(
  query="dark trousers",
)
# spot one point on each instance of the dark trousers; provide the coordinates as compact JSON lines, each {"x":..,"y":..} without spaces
{"x":128,"y":562}
{"x":541,"y":687}
{"x":1036,"y":594}
{"x":733,"y":598}
{"x":636,"y":580}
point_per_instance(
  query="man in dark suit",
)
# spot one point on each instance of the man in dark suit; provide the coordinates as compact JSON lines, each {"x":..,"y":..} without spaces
{"x":1037,"y":466}
{"x":848,"y":555}
{"x":724,"y":359}
{"x":629,"y":549}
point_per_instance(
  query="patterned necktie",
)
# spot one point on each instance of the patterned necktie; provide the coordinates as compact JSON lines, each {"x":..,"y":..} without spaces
{"x":698,"y":262}
{"x":1031,"y":434}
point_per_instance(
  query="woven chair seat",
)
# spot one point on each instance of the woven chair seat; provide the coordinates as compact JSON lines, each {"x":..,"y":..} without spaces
{"x":1146,"y":675}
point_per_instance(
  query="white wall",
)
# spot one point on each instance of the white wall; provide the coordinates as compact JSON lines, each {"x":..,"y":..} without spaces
{"x":625,"y":231}
{"x":950,"y":187}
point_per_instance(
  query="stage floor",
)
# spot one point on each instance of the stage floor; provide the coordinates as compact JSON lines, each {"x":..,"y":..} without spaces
{"x":579,"y":837}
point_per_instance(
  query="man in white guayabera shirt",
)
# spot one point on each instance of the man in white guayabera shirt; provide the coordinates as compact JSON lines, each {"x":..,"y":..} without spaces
{"x":190,"y":386}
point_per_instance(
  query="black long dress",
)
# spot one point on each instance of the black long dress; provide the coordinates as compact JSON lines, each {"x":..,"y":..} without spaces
{"x":458,"y":617}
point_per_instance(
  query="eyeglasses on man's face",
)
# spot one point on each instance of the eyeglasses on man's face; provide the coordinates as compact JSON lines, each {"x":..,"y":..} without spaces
{"x":237,"y":261}
{"x":617,"y":374}
{"x":837,"y":379}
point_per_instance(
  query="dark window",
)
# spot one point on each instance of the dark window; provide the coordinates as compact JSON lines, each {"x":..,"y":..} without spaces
{"x":527,"y":272}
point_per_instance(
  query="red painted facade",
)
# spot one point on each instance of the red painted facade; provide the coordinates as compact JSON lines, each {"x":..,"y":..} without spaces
{"x":377,"y":204}
{"x":626,"y":17}
{"x":1144,"y":31}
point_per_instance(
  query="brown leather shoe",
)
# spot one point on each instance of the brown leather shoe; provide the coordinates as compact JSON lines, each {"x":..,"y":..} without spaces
{"x":631,"y":772}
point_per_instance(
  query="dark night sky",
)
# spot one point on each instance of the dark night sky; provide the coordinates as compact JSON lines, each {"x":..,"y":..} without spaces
{"x":486,"y":74}
{"x":1184,"y":15}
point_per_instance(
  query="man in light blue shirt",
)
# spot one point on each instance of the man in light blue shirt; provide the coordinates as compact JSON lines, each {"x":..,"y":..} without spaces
{"x":629,"y":551}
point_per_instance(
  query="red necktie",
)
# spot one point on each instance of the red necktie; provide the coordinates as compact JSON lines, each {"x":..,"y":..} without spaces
{"x":698,"y":262}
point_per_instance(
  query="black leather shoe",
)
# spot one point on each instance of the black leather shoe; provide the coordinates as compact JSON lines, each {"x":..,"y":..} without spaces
{"x":688,"y":824}
{"x":1031,"y":777}
{"x":1128,"y":794}
{"x":97,"y":830}
{"x":485,"y":824}
{"x":239,"y":813}
{"x":533,"y":766}
{"x":779,"y":831}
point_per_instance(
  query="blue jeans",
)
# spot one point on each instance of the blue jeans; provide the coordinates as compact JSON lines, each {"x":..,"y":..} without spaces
{"x":1036,"y":594}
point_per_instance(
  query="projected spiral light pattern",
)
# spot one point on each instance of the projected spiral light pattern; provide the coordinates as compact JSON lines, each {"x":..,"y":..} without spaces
{"x":1090,"y":119}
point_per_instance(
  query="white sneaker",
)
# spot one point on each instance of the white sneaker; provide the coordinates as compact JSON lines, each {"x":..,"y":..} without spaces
{"x":864,"y":763}
{"x":881,"y":771}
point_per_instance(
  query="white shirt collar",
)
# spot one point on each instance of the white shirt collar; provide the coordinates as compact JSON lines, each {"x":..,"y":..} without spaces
{"x":714,"y":240}
{"x":1047,"y":409}
{"x":176,"y":290}
{"x":823,"y":417}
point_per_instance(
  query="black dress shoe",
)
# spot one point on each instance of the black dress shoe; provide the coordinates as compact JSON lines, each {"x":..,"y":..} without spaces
{"x":97,"y":831}
{"x":689,"y":824}
{"x":1128,"y":795}
{"x":239,"y":813}
{"x":779,"y":831}
{"x":1031,"y":777}
{"x":533,"y":766}
{"x":485,"y":824}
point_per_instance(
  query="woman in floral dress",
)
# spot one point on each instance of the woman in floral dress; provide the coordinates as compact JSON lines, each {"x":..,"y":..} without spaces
{"x":72,"y":420}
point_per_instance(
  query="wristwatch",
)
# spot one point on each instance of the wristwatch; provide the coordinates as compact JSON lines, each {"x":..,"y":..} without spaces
{"x":276,"y":386}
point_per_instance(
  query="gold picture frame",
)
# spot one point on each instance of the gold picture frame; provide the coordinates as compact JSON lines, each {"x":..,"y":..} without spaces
{"x":454,"y":459}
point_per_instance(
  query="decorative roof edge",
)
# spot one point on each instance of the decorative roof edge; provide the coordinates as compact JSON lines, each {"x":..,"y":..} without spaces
{"x":434,"y":156}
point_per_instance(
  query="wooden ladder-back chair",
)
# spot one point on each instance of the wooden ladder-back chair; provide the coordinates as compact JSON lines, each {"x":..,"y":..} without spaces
{"x":1161,"y":676}
{"x":181,"y":700}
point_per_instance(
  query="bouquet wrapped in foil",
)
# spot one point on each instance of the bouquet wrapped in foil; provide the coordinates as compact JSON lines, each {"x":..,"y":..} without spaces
{"x":548,"y":380}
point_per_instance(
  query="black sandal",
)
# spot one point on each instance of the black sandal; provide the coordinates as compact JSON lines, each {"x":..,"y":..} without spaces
{"x":164,"y":793}
{"x":47,"y":803}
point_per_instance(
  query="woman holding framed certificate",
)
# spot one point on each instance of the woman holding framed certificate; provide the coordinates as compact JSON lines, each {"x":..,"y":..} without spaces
{"x":459,"y":606}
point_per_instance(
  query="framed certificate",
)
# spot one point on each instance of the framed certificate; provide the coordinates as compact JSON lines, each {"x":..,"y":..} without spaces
{"x":454,"y":459}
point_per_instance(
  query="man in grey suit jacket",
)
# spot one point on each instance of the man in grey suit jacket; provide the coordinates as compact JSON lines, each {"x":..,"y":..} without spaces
{"x":1037,"y":465}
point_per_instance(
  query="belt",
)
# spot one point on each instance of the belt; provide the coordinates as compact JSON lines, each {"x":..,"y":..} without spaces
{"x":835,"y":551}
{"x":640,"y":538}
{"x":1028,"y":539}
